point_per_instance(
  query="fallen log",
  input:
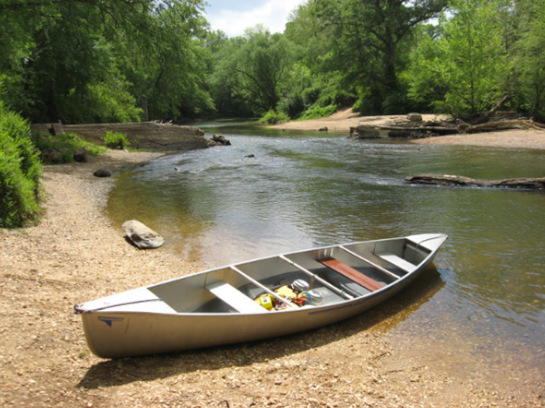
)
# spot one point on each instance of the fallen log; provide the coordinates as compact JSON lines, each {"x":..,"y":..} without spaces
{"x":464,"y":127}
{"x":453,"y":180}
{"x":504,"y":125}
{"x":423,"y":128}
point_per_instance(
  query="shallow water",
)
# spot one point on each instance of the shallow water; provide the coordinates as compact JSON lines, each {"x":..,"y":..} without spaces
{"x":300,"y":190}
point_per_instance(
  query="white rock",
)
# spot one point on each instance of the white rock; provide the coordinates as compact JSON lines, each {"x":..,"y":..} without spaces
{"x":142,"y":236}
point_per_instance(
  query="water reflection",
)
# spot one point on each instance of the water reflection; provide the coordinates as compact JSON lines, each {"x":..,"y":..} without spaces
{"x":221,"y":206}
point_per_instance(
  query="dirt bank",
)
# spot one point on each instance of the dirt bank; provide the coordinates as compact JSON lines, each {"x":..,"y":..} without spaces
{"x":343,"y":120}
{"x":76,"y":255}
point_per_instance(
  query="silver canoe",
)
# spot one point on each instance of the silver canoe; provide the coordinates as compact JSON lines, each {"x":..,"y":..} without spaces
{"x":227,"y":304}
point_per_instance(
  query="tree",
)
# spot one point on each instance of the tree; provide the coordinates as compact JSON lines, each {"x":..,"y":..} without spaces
{"x":370,"y":36}
{"x":313,"y":82}
{"x":91,"y":60}
{"x":255,"y":67}
{"x":223,"y":83}
{"x":530,"y":58}
{"x":468,"y":60}
{"x":171,"y":65}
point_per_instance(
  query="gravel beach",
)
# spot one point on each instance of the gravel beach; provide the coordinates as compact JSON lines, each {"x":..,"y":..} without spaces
{"x":76,"y":255}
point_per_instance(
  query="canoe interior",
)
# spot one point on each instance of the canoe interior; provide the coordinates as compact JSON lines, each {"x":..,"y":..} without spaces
{"x":192,"y":294}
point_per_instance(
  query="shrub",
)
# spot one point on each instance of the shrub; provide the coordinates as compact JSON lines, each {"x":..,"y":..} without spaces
{"x":116,"y":140}
{"x":20,"y":172}
{"x":272,"y":117}
{"x":66,"y":144}
{"x":291,"y":105}
{"x":317,"y":112}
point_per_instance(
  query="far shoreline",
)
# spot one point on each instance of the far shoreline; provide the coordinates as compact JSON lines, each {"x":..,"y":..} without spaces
{"x":342,"y":121}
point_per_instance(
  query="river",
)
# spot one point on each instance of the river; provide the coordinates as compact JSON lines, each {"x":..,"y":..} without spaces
{"x":275,"y":191}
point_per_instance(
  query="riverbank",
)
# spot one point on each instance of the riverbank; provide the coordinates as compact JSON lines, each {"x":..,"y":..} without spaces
{"x":76,"y":255}
{"x":342,"y":121}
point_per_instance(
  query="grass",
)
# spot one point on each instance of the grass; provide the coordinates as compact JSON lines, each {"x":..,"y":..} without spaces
{"x":66,"y":144}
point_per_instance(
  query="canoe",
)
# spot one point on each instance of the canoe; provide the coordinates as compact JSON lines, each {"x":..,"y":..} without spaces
{"x":257,"y":299}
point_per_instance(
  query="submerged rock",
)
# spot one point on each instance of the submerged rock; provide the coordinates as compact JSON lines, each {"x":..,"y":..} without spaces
{"x":219,"y":140}
{"x":142,"y":236}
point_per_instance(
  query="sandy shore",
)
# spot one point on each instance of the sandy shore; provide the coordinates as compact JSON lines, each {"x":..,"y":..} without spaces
{"x":342,"y":121}
{"x":76,"y":255}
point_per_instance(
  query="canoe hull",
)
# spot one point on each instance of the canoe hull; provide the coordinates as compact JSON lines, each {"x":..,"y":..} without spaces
{"x":112,"y":332}
{"x":113,"y":335}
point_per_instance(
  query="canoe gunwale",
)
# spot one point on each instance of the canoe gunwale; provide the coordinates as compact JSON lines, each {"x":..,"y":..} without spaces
{"x":398,"y":280}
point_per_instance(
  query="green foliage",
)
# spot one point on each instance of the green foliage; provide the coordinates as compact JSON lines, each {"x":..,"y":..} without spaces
{"x":316,"y":112}
{"x":371,"y":42}
{"x":92,"y":61}
{"x":20,"y":172}
{"x":272,"y":117}
{"x":116,"y":140}
{"x":467,"y":62}
{"x":253,"y":68}
{"x":109,"y":61}
{"x":529,"y":63}
{"x":66,"y":144}
{"x":292,"y":105}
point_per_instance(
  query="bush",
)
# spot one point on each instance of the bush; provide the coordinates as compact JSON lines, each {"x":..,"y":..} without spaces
{"x":116,"y":140}
{"x":66,"y":144}
{"x":292,"y":105}
{"x":20,"y":172}
{"x":317,"y":112}
{"x":272,"y":117}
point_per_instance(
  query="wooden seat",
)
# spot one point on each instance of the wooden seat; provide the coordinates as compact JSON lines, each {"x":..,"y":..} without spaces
{"x":398,"y":262}
{"x":235,"y":298}
{"x":352,"y":274}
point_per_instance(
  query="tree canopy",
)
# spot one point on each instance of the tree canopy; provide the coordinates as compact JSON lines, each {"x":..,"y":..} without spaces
{"x":126,"y":60}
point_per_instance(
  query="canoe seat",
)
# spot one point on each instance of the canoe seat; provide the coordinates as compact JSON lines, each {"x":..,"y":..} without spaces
{"x":352,"y":274}
{"x":398,"y":261}
{"x":235,"y":298}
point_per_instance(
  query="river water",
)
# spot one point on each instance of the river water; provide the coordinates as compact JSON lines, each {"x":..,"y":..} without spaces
{"x":275,"y":191}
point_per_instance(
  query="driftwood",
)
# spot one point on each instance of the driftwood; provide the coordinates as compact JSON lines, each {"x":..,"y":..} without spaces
{"x":496,"y":108}
{"x":452,"y":180}
{"x":413,"y":127}
{"x":424,"y":128}
{"x":463,"y":127}
{"x":503,"y":125}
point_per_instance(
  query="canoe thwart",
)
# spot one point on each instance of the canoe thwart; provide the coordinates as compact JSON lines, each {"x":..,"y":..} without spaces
{"x":352,"y":274}
{"x":397,"y":262}
{"x":235,"y":298}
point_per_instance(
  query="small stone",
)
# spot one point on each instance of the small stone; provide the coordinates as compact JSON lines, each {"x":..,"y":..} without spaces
{"x":102,"y":173}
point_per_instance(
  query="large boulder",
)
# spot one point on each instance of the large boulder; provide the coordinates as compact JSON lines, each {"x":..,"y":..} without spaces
{"x":142,"y":236}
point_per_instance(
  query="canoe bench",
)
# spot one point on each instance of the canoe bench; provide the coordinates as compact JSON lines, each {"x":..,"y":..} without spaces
{"x":397,"y":262}
{"x":235,"y":298}
{"x":353,"y":274}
